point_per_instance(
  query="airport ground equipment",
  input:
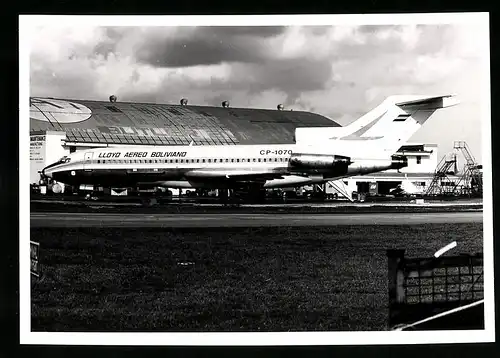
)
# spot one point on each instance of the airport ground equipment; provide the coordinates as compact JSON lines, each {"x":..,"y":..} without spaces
{"x":445,"y":181}
{"x":420,"y":288}
{"x":441,"y":182}
{"x":472,"y":175}
{"x":341,"y":188}
{"x":333,"y":189}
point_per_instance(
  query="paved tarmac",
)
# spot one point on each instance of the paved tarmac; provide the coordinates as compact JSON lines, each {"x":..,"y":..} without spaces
{"x":71,"y":220}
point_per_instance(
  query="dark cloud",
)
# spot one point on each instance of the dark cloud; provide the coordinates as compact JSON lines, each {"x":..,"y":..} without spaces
{"x":197,"y":51}
{"x":104,"y":48}
{"x":292,"y":76}
{"x":207,"y":46}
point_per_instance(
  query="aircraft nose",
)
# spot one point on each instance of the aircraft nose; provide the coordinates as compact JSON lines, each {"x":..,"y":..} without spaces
{"x":46,"y":174}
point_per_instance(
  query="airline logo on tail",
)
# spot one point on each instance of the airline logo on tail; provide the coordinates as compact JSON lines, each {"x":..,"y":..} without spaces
{"x":402,"y":117}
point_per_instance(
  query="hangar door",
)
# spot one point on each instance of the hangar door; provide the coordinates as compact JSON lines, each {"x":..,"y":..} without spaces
{"x":87,"y":160}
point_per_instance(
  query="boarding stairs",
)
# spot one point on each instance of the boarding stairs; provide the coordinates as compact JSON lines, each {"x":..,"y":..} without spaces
{"x":443,"y":168}
{"x":341,"y":188}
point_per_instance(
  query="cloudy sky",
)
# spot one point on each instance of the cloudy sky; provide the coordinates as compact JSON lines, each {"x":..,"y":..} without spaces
{"x":338,"y":71}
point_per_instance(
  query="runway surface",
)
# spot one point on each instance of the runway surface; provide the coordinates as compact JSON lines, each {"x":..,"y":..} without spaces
{"x":246,"y":220}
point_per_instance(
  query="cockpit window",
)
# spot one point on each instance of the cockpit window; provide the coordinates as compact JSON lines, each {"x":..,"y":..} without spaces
{"x":64,"y":159}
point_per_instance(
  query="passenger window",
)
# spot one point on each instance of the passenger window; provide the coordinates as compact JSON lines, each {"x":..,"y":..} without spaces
{"x":203,"y":160}
{"x":253,"y":159}
{"x":259,"y":159}
{"x":227,"y":160}
{"x":98,"y":161}
{"x":177,"y":160}
{"x":197,"y":160}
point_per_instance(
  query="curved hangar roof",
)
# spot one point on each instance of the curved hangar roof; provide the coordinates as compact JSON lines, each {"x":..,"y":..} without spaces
{"x":166,"y":124}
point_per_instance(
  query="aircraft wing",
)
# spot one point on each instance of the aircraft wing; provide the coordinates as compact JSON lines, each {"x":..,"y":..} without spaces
{"x":237,"y":175}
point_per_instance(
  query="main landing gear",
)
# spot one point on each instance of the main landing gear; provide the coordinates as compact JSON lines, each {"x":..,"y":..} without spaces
{"x":251,"y":194}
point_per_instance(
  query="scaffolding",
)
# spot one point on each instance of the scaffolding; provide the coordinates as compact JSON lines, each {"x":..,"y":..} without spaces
{"x":472,"y":175}
{"x":443,"y":181}
{"x":447,"y":182}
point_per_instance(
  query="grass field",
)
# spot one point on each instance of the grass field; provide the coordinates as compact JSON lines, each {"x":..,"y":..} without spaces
{"x":241,"y":279}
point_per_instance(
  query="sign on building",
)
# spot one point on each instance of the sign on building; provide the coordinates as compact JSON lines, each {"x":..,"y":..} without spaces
{"x":34,"y":258}
{"x":37,"y":156}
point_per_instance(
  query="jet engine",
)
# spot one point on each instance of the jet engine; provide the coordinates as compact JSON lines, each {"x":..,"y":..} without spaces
{"x":319,"y":161}
{"x":399,"y":161}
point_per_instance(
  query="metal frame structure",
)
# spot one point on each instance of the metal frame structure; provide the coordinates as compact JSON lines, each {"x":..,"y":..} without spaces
{"x":468,"y":183}
{"x":422,"y":287}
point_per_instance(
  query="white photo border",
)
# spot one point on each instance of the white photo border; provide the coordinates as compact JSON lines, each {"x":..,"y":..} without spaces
{"x":27,"y":24}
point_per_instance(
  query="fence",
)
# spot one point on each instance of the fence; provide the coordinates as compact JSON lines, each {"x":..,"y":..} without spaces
{"x":423,"y":287}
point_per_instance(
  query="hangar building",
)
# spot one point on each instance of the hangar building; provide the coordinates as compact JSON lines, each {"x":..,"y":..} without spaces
{"x":62,"y":126}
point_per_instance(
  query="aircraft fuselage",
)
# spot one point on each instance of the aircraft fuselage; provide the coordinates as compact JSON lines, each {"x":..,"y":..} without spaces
{"x":214,"y":166}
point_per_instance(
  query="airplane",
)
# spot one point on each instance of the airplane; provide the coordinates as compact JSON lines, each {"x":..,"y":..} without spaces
{"x":319,"y":155}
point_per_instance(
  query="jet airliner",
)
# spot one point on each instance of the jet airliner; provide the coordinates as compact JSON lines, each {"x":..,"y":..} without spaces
{"x":319,"y":155}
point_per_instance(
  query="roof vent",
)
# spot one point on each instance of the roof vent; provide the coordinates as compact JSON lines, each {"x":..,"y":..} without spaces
{"x":225,"y":104}
{"x":112,"y":98}
{"x":184,"y":102}
{"x":280,"y":107}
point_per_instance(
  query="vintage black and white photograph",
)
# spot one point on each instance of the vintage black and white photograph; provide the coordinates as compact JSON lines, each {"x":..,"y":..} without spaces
{"x":227,"y":174}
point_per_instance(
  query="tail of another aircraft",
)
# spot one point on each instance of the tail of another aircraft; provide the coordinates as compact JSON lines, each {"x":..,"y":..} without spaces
{"x":389,"y":126}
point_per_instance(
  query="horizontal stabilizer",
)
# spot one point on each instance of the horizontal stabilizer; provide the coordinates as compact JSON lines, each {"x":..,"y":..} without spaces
{"x":430,"y":102}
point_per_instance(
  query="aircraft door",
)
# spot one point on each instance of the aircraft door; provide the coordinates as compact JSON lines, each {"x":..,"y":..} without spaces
{"x":87,"y":160}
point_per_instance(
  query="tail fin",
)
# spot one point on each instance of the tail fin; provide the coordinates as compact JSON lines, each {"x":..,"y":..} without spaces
{"x":404,"y":118}
{"x":391,"y":123}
